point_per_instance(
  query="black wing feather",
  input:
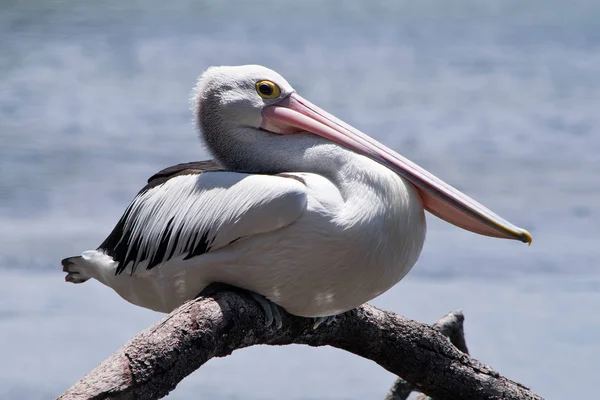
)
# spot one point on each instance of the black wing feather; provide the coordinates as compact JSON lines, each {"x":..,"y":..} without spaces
{"x":118,"y":244}
{"x":190,"y":168}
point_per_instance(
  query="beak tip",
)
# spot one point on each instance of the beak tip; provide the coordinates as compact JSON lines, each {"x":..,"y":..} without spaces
{"x":526,"y":237}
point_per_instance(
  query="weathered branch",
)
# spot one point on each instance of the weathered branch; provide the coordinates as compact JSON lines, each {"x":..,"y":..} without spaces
{"x":152,"y":363}
{"x":451,"y":326}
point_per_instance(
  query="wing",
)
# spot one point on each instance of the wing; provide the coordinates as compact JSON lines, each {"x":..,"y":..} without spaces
{"x":190,"y":209}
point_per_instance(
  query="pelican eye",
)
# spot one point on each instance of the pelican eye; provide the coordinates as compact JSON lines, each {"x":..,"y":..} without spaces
{"x":267,"y":89}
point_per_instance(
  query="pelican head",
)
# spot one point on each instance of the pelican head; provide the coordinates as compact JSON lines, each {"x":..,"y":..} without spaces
{"x":238,"y":95}
{"x":237,"y":107}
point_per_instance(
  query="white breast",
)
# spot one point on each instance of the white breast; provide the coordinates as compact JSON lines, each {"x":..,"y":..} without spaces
{"x":348,"y":247}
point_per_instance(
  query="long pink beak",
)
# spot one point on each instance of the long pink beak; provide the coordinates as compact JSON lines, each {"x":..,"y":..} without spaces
{"x":294,"y":114}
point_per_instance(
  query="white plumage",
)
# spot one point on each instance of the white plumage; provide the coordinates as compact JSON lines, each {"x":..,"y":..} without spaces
{"x":261,"y":233}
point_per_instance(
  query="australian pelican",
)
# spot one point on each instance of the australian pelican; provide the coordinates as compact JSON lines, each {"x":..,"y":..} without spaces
{"x":297,"y":206}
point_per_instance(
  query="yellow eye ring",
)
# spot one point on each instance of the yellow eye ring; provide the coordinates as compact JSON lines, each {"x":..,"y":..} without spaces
{"x":267,"y":89}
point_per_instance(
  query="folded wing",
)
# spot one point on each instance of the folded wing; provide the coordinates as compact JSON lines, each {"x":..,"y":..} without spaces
{"x":190,"y":209}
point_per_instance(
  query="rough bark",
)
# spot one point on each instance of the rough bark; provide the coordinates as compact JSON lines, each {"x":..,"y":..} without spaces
{"x":450,"y":325}
{"x":152,"y":363}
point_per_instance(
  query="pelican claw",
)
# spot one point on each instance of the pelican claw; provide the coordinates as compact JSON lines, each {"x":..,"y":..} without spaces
{"x":323,"y":320}
{"x":272,"y":310}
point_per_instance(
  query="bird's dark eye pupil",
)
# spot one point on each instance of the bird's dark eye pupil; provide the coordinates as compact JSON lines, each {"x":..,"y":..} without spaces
{"x":265,"y":89}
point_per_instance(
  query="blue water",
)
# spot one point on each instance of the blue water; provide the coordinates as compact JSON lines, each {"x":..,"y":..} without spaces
{"x":499,"y":98}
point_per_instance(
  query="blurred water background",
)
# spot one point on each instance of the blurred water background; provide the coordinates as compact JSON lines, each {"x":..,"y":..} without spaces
{"x":499,"y":98}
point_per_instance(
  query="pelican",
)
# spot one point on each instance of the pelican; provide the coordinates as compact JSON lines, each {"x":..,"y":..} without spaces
{"x":297,"y":206}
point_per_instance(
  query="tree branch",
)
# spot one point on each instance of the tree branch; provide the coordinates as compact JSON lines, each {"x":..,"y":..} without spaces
{"x":451,"y":326}
{"x":153,"y":362}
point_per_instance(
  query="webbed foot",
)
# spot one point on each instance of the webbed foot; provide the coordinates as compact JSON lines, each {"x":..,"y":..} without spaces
{"x":76,"y":269}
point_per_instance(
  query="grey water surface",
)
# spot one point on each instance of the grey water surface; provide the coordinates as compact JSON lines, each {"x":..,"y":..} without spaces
{"x":500,"y":98}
